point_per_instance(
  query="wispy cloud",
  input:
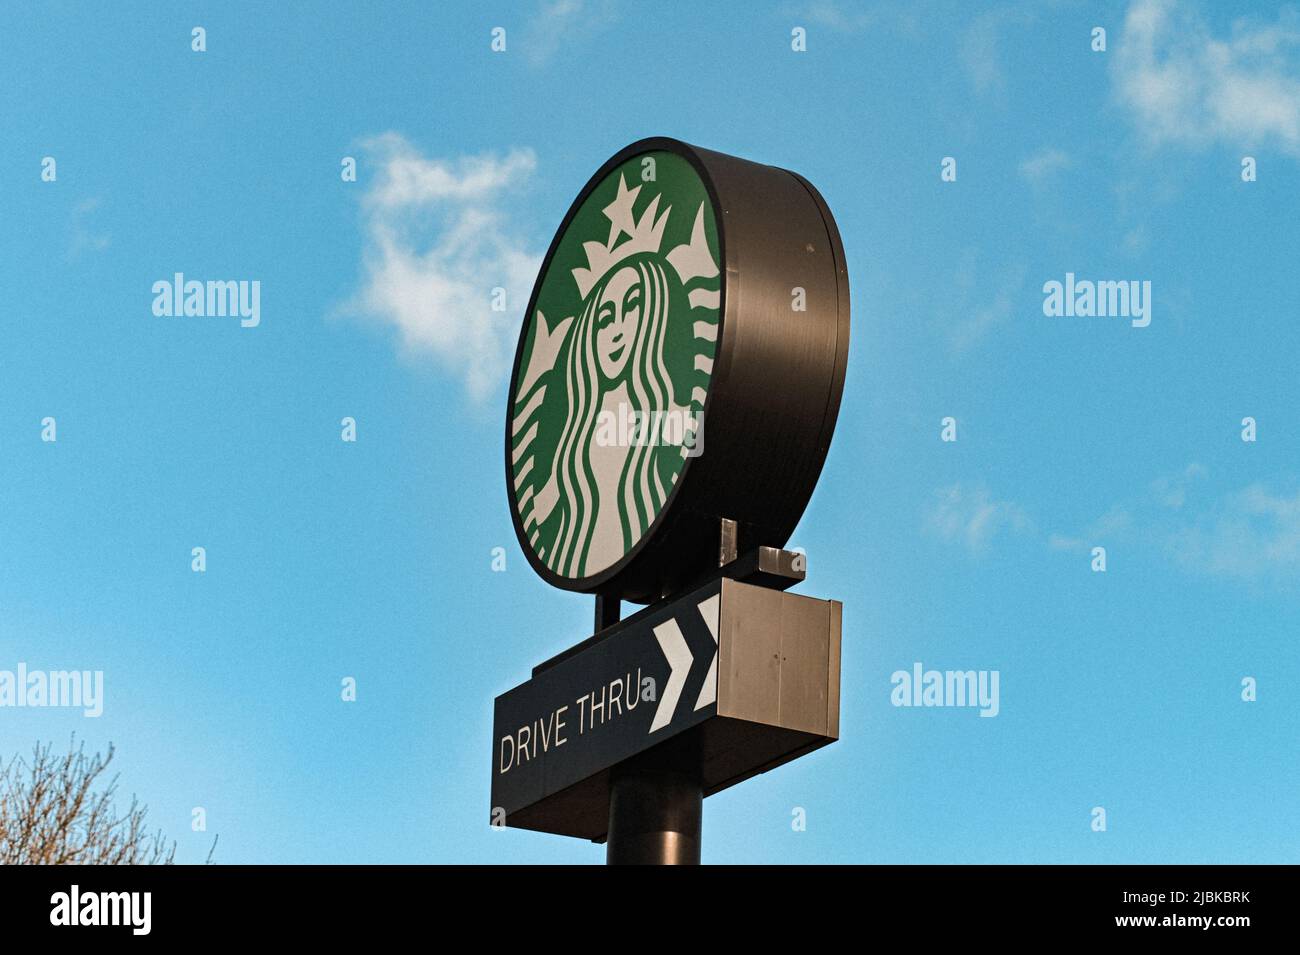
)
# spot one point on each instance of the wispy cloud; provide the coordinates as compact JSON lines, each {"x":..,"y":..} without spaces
{"x":559,"y":23}
{"x":1171,"y":489}
{"x":988,"y":298}
{"x":1252,"y":534}
{"x":980,"y":50}
{"x":1246,"y":534}
{"x":85,"y":237}
{"x":839,"y":17}
{"x":970,"y":516}
{"x":1043,"y":164}
{"x":1114,"y":523}
{"x":1186,"y":85}
{"x":436,"y":243}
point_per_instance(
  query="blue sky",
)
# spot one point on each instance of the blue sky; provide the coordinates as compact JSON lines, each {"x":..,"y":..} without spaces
{"x":373,"y":559}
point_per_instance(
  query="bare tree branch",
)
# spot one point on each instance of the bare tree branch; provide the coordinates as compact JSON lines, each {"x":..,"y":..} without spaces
{"x":51,"y":813}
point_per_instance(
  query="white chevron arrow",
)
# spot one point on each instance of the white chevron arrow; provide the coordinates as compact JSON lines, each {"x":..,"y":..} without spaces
{"x":678,"y":654}
{"x":709,"y":692}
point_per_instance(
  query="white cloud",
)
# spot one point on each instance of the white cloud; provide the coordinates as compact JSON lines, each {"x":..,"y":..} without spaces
{"x":436,"y":244}
{"x":1136,"y":241}
{"x":562,"y":22}
{"x":1252,"y":534}
{"x":980,"y":50}
{"x":986,"y":317}
{"x":988,"y":298}
{"x":1186,"y":85}
{"x":1115,"y":523}
{"x":411,"y":180}
{"x":971,"y":517}
{"x":1062,"y":542}
{"x":85,"y":237}
{"x":833,"y":16}
{"x":1171,"y":490}
{"x":1044,"y":163}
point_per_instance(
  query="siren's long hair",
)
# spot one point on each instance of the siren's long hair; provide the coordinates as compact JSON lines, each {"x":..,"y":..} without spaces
{"x":640,"y":489}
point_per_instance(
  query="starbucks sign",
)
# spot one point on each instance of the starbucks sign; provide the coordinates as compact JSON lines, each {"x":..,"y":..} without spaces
{"x":674,"y":392}
{"x":680,"y":363}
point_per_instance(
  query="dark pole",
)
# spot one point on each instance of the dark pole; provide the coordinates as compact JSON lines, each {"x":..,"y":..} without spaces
{"x":654,"y":813}
{"x":656,"y":803}
{"x":607,"y":609}
{"x":654,"y":818}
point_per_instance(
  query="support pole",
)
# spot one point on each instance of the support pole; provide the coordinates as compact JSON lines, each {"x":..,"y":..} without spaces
{"x":656,"y":807}
{"x":654,"y":818}
{"x":607,"y":610}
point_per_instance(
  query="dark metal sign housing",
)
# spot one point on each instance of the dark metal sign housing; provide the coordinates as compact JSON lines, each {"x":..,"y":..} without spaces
{"x":776,"y":376}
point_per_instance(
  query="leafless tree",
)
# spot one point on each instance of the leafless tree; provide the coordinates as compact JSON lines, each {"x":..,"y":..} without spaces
{"x":58,"y":809}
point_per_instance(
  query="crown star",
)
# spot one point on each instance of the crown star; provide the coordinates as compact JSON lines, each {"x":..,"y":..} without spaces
{"x":619,"y":212}
{"x":643,"y":235}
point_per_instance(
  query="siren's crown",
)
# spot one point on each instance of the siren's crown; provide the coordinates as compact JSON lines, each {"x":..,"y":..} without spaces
{"x":644,"y":235}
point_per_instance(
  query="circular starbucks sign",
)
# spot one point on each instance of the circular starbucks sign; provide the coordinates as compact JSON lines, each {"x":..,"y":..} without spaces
{"x":628,"y":349}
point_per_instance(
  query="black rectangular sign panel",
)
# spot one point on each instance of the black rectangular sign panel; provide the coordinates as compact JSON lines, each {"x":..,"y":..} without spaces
{"x":744,"y":677}
{"x":624,"y":694}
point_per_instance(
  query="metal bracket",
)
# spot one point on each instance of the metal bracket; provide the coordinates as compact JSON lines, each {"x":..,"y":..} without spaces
{"x":769,"y":567}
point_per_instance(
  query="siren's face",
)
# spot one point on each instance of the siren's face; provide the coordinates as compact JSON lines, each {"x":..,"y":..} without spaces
{"x":618,"y":316}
